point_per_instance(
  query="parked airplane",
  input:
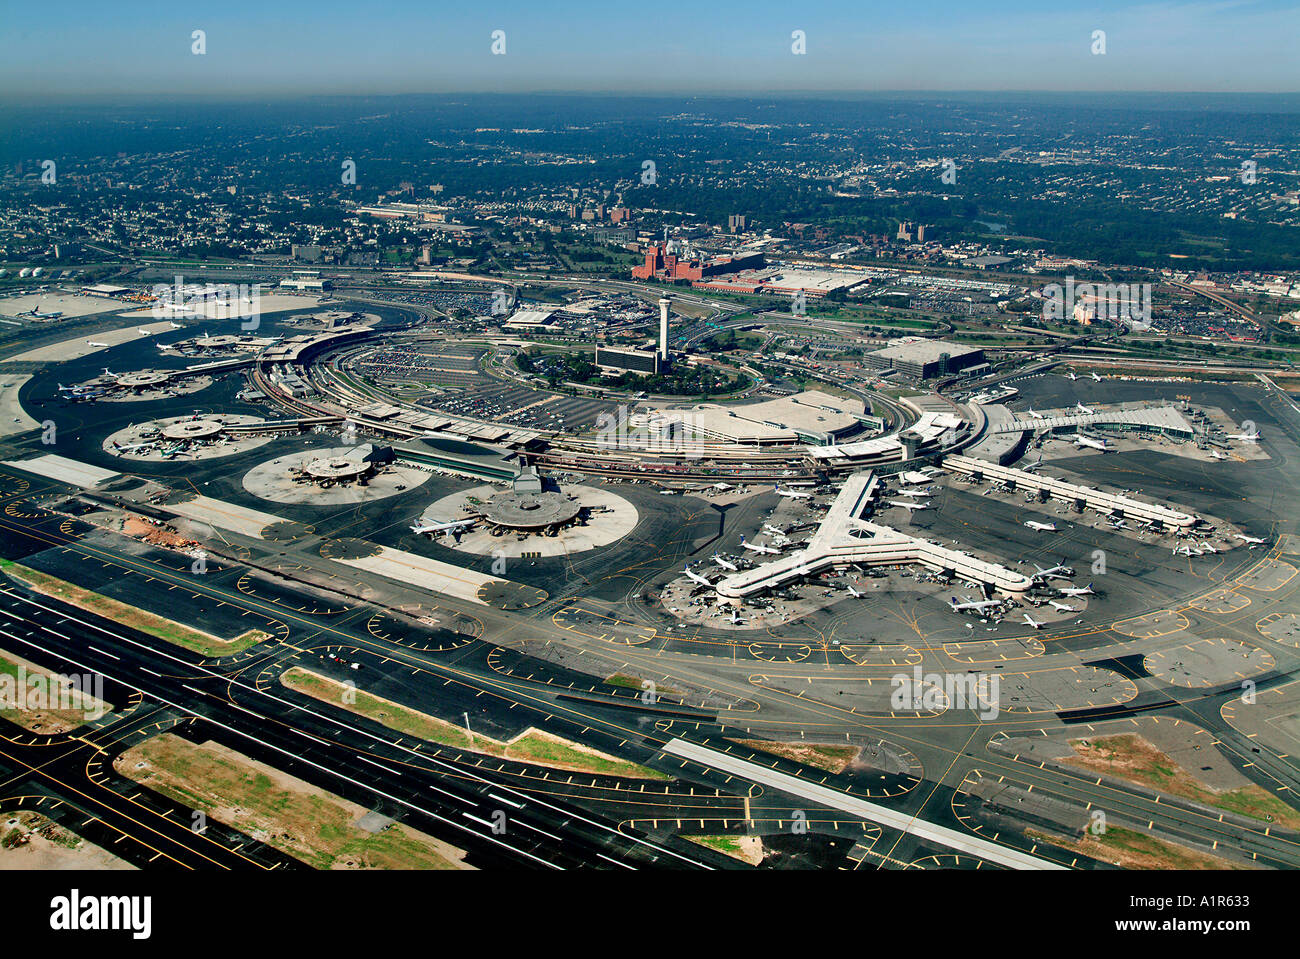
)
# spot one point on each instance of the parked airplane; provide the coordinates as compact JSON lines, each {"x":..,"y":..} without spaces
{"x":855,"y":593}
{"x":1208,"y":548}
{"x":1063,"y":607}
{"x":1035,"y":414}
{"x":1042,"y":527}
{"x":1075,"y":590}
{"x":1088,"y":441}
{"x":143,"y":332}
{"x":792,"y":493}
{"x":907,"y":504}
{"x":1054,"y":572}
{"x":420,"y":528}
{"x":1095,"y":377}
{"x":93,"y":343}
{"x":119,"y":448}
{"x":1185,"y":551}
{"x":1070,"y":374}
{"x":773,"y":530}
{"x":735,"y":618}
{"x":1217,"y":455}
{"x":756,"y":548}
{"x":695,"y":577}
{"x":1030,"y":621}
{"x":175,"y":326}
{"x":983,"y":604}
{"x":1248,"y":437}
{"x":915,"y":492}
{"x":1249,"y":539}
{"x":1084,"y":409}
{"x":725,"y":563}
{"x":1118,"y":524}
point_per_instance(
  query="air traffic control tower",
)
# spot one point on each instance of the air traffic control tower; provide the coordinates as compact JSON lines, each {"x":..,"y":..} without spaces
{"x":664,"y":304}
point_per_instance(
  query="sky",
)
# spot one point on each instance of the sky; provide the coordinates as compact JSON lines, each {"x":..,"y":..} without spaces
{"x":77,"y":48}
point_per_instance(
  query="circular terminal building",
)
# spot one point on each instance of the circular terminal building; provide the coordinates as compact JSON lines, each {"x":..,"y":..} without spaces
{"x":143,"y":380}
{"x":528,"y":508}
{"x":338,"y":469}
{"x":224,"y":342}
{"x":193,"y":430}
{"x":346,"y":465}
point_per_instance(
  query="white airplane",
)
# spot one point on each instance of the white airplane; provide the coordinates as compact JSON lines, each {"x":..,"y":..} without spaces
{"x":174,"y":325}
{"x":1070,"y":374}
{"x":1185,"y":551}
{"x":907,"y":504}
{"x":1030,"y":621}
{"x":957,"y":607}
{"x":792,"y":493}
{"x":1248,"y":437}
{"x":1035,"y":414}
{"x":420,"y":528}
{"x":1075,"y":590}
{"x":1257,"y":540}
{"x":119,"y":448}
{"x":1084,"y":409}
{"x":735,"y":618}
{"x":1054,"y":572}
{"x":1095,"y":377}
{"x":756,"y":548}
{"x":93,"y":343}
{"x":855,"y":593}
{"x":1217,"y":455}
{"x":143,"y":332}
{"x":1091,"y":443}
{"x":773,"y":530}
{"x":725,"y":563}
{"x":1063,"y":607}
{"x":1208,"y":548}
{"x":915,"y":492}
{"x":1041,"y":527}
{"x":695,"y":577}
{"x":1118,"y":524}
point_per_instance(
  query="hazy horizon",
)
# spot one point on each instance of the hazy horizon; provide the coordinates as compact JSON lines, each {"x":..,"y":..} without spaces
{"x":671,"y":49}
